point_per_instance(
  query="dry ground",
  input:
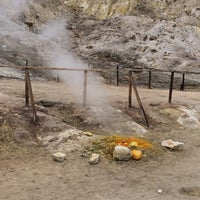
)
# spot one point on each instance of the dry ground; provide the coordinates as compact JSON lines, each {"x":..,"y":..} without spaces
{"x":28,"y":172}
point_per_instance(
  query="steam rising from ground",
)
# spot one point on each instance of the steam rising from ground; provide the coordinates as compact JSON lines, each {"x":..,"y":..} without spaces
{"x":13,"y":7}
{"x":52,"y":43}
{"x":60,"y":57}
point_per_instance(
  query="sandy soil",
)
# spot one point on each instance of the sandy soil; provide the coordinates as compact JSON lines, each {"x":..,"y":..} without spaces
{"x":30,"y":173}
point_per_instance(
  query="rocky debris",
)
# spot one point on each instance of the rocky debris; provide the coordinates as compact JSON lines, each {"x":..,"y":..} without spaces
{"x":87,"y":133}
{"x":59,"y":157}
{"x":67,"y":141}
{"x":173,"y":144}
{"x":122,"y":153}
{"x":137,"y":154}
{"x":94,"y":159}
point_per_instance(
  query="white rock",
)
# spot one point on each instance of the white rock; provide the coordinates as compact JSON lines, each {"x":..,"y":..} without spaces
{"x":59,"y":157}
{"x":87,"y":133}
{"x":159,"y":191}
{"x":94,"y":159}
{"x":172,"y":144}
{"x":122,"y":153}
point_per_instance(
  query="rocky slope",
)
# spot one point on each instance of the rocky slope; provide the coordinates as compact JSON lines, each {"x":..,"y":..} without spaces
{"x":142,"y":33}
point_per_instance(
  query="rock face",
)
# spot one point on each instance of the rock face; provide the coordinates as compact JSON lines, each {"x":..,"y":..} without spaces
{"x":122,"y":153}
{"x":155,"y":34}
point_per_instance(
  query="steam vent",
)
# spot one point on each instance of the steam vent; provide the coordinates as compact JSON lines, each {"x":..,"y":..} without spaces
{"x":99,"y":99}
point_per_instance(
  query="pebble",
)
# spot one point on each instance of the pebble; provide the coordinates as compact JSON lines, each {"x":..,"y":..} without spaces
{"x":159,"y":191}
{"x":59,"y":157}
{"x":94,"y":159}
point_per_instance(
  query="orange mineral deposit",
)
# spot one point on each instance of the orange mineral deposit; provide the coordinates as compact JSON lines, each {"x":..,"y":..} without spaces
{"x":137,"y":154}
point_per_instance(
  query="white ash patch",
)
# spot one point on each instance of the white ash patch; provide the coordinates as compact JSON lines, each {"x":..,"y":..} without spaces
{"x":189,"y":118}
{"x":67,"y":141}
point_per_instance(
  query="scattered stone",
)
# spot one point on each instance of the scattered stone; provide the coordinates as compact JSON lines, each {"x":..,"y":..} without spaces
{"x":88,"y":134}
{"x":59,"y":157}
{"x":159,"y":191}
{"x":122,"y":153}
{"x":137,"y":154}
{"x":94,"y":159}
{"x":173,"y":144}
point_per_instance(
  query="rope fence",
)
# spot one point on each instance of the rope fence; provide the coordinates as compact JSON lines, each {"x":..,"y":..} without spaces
{"x":129,"y":71}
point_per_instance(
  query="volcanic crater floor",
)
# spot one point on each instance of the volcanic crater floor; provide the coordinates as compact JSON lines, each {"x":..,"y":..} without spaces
{"x":28,"y":171}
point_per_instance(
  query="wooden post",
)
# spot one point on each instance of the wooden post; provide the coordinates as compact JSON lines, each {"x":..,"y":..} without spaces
{"x":117,"y":75}
{"x":32,"y":98}
{"x":171,"y":87}
{"x":26,"y":86}
{"x":57,"y":78}
{"x":183,"y":83}
{"x":150,"y":78}
{"x":85,"y":88}
{"x":139,"y":101}
{"x":130,"y":90}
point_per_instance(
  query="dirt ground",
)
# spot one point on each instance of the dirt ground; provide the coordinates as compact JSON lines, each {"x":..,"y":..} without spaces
{"x":28,"y":171}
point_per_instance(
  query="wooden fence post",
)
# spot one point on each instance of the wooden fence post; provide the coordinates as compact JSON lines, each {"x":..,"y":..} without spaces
{"x":150,"y":78}
{"x":139,"y":101}
{"x":32,"y":98}
{"x":85,"y":88}
{"x":171,"y":87}
{"x":130,"y":90}
{"x":183,"y":83}
{"x":26,"y":86}
{"x":117,"y":75}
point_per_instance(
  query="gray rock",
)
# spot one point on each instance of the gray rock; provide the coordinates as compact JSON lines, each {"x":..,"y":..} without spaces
{"x":59,"y":157}
{"x":173,"y":144}
{"x":122,"y":153}
{"x":94,"y":159}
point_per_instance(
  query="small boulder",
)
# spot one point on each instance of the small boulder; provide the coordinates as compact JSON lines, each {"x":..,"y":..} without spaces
{"x":94,"y":159}
{"x":173,"y":144}
{"x":122,"y":153}
{"x":59,"y":157}
{"x":137,"y":154}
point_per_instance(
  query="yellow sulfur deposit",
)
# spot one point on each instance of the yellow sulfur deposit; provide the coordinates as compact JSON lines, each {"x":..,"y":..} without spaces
{"x":137,"y":154}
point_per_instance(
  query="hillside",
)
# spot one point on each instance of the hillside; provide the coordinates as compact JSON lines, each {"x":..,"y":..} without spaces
{"x":157,"y":34}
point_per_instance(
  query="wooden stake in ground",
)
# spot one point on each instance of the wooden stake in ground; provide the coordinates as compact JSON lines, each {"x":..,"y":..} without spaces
{"x":85,"y":88}
{"x":31,"y":97}
{"x":132,"y":83}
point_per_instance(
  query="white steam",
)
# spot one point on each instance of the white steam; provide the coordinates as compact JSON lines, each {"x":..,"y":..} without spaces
{"x":53,"y":45}
{"x":60,"y":57}
{"x":12,"y":8}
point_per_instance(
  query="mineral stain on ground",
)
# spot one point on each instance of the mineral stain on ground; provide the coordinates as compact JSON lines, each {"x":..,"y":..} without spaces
{"x":107,"y":144}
